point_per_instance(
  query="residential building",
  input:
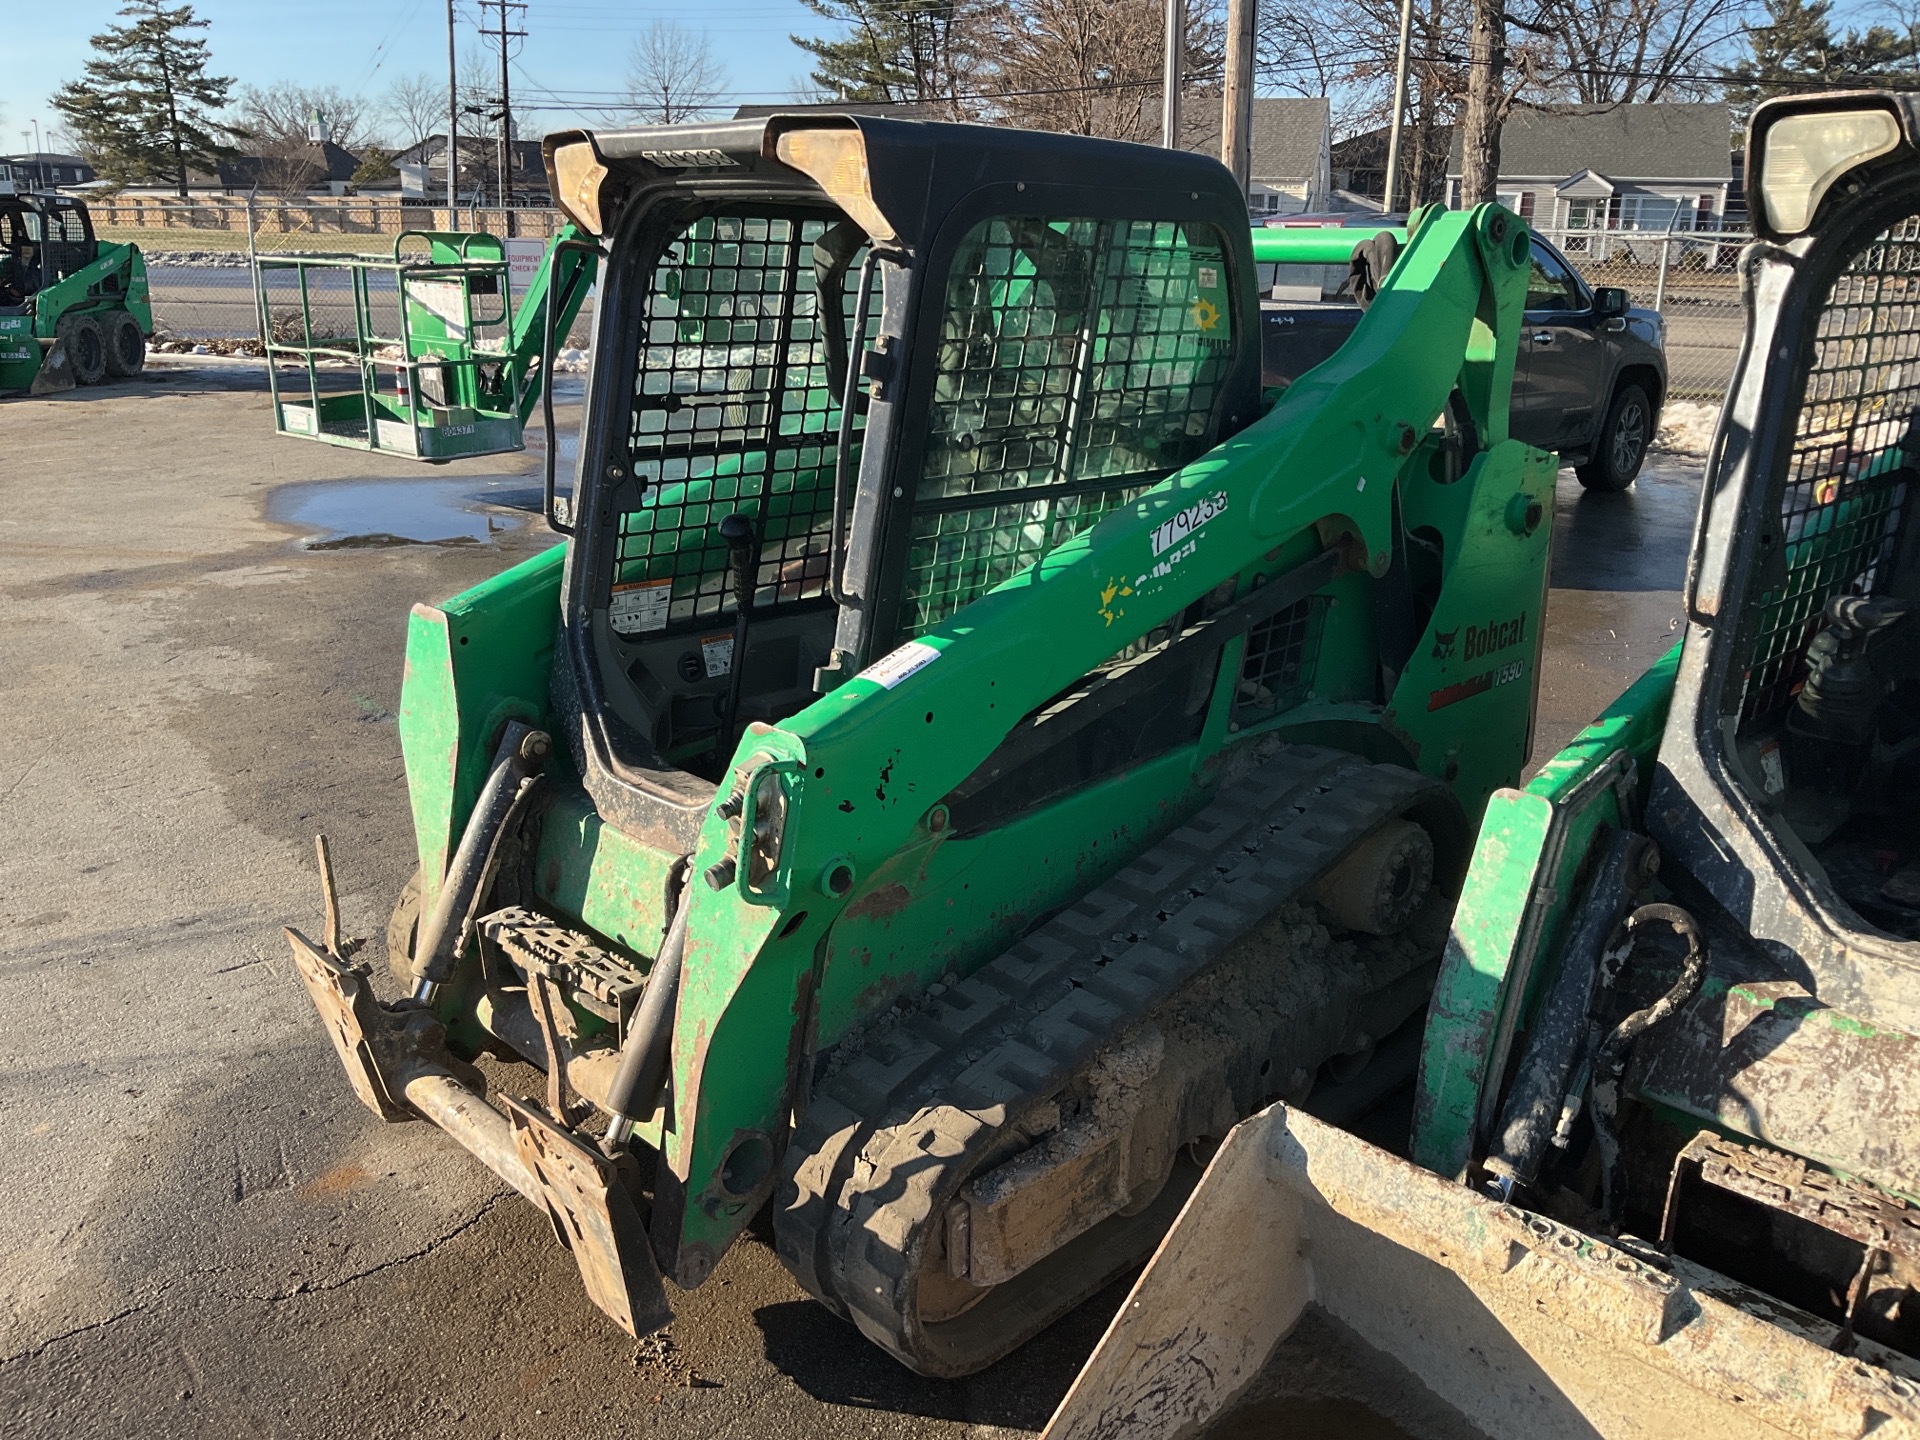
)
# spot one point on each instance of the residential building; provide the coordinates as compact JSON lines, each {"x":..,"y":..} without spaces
{"x":422,"y":169}
{"x":45,"y":170}
{"x":1638,"y":169}
{"x":1290,"y":170}
{"x":1360,"y":166}
{"x":313,"y":167}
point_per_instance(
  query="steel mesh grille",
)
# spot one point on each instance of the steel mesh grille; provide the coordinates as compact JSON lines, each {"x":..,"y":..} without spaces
{"x":1845,"y":489}
{"x":733,"y":410}
{"x":1278,"y":666}
{"x":1080,"y":363}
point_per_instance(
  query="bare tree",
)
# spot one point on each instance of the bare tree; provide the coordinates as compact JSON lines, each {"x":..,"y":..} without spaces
{"x":1602,"y":52}
{"x":1085,"y":67}
{"x":672,"y":75}
{"x":415,"y":106}
{"x":281,"y":114}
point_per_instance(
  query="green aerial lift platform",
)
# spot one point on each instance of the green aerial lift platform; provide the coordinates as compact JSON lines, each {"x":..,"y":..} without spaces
{"x":445,"y":363}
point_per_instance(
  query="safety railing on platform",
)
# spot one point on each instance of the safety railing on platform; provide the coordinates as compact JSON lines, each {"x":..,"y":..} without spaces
{"x":426,"y":338}
{"x":199,"y":252}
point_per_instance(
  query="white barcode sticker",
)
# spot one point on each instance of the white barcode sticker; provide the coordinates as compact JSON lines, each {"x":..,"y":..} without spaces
{"x":716,"y":651}
{"x":642,"y":606}
{"x":1773,"y":774}
{"x":890,"y":669}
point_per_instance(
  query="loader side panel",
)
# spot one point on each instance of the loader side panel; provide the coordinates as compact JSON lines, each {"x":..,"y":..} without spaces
{"x":479,"y":660}
{"x":1519,"y":895}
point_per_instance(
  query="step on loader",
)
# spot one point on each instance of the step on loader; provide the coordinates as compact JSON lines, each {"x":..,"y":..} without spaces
{"x":1664,"y":1176}
{"x":976,"y":746}
{"x":74,"y":309}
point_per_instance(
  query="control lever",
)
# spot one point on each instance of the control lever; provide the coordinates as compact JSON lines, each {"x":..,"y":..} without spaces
{"x":743,"y":553}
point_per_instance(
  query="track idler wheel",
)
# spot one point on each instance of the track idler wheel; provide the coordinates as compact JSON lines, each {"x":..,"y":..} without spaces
{"x":1382,"y":885}
{"x":403,"y":929}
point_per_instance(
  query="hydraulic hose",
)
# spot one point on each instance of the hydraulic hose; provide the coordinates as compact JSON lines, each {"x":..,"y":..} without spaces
{"x":1533,"y":1106}
{"x":635,"y":1090}
{"x":447,"y":927}
{"x":1610,"y":1058}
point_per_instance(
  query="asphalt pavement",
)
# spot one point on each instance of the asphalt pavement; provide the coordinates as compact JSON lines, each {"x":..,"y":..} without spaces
{"x":205,"y":1234}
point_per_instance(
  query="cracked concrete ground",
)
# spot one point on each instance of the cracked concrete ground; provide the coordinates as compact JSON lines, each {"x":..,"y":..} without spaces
{"x":204,"y":1233}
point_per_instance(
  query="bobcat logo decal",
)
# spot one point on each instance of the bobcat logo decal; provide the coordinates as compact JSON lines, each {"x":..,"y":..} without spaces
{"x":1443,"y":643}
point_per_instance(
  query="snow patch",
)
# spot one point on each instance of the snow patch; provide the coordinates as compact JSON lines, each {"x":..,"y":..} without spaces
{"x":1687,"y":426}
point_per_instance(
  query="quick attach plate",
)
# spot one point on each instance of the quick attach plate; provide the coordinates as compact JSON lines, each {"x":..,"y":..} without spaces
{"x":593,"y":977}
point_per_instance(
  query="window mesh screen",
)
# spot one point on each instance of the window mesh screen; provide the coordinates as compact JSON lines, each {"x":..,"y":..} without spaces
{"x":1846,"y":483}
{"x":1080,"y":362}
{"x":733,"y":410}
{"x":1278,"y":666}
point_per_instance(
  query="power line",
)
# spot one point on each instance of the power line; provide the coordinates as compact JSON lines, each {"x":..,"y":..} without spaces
{"x":503,"y":37}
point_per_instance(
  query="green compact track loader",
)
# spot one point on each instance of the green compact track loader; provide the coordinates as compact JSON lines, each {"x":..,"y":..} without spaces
{"x":1664,"y":1172}
{"x":976,"y":746}
{"x":73,"y":308}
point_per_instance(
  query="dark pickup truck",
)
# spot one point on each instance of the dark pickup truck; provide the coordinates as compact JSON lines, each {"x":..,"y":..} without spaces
{"x":1591,"y":375}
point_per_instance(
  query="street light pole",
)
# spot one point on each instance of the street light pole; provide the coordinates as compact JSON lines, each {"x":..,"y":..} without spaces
{"x":1173,"y":77}
{"x":453,"y":125}
{"x":1399,"y":103}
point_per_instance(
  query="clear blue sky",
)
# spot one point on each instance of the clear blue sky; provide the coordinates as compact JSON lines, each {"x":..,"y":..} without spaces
{"x":576,"y":50}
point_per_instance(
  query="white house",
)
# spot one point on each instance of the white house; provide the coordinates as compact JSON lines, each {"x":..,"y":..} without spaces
{"x":1659,"y":169}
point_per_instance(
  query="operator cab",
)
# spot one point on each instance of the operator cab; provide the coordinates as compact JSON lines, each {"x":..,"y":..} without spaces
{"x":1791,"y":778}
{"x":1035,"y":329}
{"x":43,"y":239}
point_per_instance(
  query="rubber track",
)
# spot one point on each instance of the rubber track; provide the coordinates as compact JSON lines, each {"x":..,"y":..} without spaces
{"x":886,"y":1140}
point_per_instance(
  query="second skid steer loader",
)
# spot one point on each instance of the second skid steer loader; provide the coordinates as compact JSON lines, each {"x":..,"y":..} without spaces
{"x":1664,"y":1171}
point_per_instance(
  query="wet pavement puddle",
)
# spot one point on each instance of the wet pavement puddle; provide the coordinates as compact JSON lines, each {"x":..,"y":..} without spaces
{"x":358,"y":514}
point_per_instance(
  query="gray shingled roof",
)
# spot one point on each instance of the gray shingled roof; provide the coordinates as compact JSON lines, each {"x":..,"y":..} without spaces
{"x":1623,"y":142}
{"x":1287,"y":133}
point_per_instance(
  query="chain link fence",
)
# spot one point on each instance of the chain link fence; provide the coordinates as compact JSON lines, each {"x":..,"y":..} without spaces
{"x":198,"y":261}
{"x":199,"y":254}
{"x":1691,"y":277}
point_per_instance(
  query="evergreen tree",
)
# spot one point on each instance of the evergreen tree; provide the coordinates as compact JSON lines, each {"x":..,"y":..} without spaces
{"x":893,"y":50}
{"x":143,"y":110}
{"x":1797,"y":50}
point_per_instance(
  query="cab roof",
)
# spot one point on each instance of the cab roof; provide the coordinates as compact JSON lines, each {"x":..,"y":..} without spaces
{"x":915,"y":170}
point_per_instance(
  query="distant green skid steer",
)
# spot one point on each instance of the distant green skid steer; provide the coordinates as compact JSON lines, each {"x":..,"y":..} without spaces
{"x":976,"y":746}
{"x":73,"y":309}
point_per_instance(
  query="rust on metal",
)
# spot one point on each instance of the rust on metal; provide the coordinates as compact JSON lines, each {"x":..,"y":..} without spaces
{"x":594,"y":1216}
{"x":1534,"y":1330}
{"x":371,"y":1043}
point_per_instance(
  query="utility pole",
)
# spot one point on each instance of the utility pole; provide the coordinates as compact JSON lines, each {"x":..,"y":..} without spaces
{"x":1236,"y":119}
{"x":1486,"y":104}
{"x":1399,"y":103}
{"x":453,"y":126}
{"x":503,"y":37}
{"x":1173,"y":76}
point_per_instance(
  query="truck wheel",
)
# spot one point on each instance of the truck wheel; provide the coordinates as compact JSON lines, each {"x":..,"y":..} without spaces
{"x":126,"y":346}
{"x":1622,"y":446}
{"x":86,"y":347}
